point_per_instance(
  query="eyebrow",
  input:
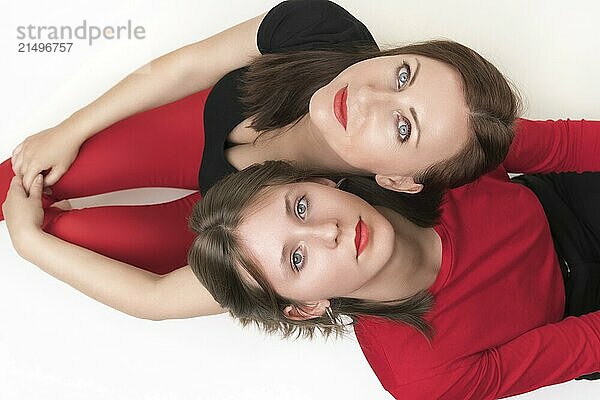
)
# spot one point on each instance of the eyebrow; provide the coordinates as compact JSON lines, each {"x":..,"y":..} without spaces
{"x":414,"y":115}
{"x":414,"y":75}
{"x":412,"y":110}
{"x":288,"y":212}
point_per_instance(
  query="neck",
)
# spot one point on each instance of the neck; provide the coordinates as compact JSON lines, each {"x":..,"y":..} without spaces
{"x":415,"y":263}
{"x":298,"y":143}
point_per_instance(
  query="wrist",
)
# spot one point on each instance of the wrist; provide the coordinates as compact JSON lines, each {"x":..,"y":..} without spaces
{"x":24,"y":241}
{"x":75,"y":127}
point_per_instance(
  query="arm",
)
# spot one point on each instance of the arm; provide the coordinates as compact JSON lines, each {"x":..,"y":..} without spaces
{"x":166,"y":79}
{"x":554,"y":146}
{"x":124,"y":287}
{"x":174,"y":75}
{"x":544,"y":356}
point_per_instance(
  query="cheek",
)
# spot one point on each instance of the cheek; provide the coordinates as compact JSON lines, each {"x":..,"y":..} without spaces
{"x":338,"y":277}
{"x":373,"y":152}
{"x":323,"y":279}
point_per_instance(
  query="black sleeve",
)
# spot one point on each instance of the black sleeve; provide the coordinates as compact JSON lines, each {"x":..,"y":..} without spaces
{"x":297,"y":25}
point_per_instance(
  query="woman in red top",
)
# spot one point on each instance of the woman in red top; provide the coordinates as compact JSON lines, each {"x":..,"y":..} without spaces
{"x":275,"y":246}
{"x":499,"y":319}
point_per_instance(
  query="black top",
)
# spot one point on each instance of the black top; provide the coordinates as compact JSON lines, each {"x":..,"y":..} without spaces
{"x":293,"y":25}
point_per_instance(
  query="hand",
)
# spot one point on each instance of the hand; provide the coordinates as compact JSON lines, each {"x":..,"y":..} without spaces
{"x":23,"y":213}
{"x":53,"y":149}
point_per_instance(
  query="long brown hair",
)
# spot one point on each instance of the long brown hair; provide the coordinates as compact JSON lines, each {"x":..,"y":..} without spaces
{"x":217,"y":255}
{"x":277,"y":89}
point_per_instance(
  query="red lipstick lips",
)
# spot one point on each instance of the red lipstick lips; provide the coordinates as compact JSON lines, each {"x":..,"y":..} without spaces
{"x":362,"y":236}
{"x":339,"y":106}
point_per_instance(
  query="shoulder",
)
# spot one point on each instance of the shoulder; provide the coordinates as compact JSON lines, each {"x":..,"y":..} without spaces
{"x":393,"y":350}
{"x":296,"y":25}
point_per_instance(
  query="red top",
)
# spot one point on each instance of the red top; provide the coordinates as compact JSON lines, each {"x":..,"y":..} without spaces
{"x":499,"y":296}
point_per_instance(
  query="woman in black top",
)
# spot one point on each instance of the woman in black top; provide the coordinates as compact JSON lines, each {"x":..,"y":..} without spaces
{"x":426,"y":116}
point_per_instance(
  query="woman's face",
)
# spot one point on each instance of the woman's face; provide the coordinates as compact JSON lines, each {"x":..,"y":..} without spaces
{"x":393,"y":115}
{"x":315,"y":242}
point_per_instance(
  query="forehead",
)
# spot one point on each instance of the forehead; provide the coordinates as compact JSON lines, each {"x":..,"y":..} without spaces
{"x":266,"y":198}
{"x":262,"y":228}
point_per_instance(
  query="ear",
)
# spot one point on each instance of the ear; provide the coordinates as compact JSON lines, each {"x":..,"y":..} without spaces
{"x":306,"y":312}
{"x":324,"y":181}
{"x":399,"y":183}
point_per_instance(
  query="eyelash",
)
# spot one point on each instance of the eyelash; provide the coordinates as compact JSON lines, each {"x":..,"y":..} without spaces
{"x":300,"y":265}
{"x":400,"y":68}
{"x":298,"y":250}
{"x":402,"y":136}
{"x":298,"y":202}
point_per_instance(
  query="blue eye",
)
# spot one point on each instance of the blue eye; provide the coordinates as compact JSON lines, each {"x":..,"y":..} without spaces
{"x":297,"y":260}
{"x":302,"y":207}
{"x":403,"y":127}
{"x":403,"y":76}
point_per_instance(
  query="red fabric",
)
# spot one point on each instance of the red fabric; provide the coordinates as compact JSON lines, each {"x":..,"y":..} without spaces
{"x":499,"y":295}
{"x":554,"y":146}
{"x":161,"y":147}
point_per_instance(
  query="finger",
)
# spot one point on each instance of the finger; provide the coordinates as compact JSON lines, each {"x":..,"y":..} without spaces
{"x":24,"y":167}
{"x":35,"y":192}
{"x":16,"y":163}
{"x":28,"y":179}
{"x":16,"y":180}
{"x":17,"y":150}
{"x":16,"y":186}
{"x":53,"y":176}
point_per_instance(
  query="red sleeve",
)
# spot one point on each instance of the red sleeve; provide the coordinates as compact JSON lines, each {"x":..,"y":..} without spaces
{"x":554,"y":146}
{"x":547,"y":355}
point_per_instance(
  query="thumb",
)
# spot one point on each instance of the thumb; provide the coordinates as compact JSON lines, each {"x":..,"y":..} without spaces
{"x":36,"y":188}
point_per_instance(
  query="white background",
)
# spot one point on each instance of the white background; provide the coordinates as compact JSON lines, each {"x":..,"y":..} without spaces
{"x":56,"y":343}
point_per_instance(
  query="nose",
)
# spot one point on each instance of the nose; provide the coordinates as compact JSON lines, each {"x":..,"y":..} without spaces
{"x":325,"y":232}
{"x":369,"y":98}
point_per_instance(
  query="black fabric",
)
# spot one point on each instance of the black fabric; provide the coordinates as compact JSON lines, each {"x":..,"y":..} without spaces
{"x":309,"y":25}
{"x":572,"y":205}
{"x":296,"y":25}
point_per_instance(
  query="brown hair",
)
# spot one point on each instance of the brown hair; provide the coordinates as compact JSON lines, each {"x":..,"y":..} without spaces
{"x":277,"y":89}
{"x":217,"y":255}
